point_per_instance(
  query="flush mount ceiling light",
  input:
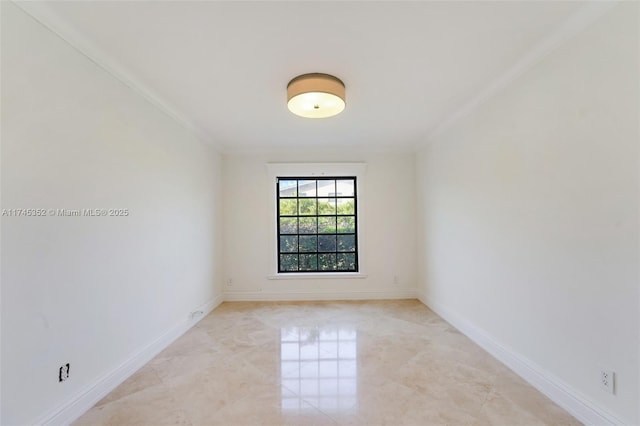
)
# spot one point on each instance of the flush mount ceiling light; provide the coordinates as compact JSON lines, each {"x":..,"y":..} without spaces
{"x":315,"y":95}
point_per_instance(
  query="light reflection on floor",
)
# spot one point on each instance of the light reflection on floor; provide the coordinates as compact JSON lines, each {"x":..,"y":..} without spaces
{"x":319,"y":366}
{"x":245,"y":365}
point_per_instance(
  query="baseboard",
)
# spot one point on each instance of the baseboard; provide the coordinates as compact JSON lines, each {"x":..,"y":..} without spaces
{"x":555,"y":389}
{"x":87,"y":398}
{"x":256,"y":296}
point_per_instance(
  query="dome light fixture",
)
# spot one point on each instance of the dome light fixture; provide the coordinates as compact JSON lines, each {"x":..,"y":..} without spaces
{"x":316,"y":95}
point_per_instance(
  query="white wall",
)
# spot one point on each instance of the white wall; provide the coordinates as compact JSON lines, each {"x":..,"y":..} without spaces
{"x":529,"y":214}
{"x":387,"y":216}
{"x":92,"y":291}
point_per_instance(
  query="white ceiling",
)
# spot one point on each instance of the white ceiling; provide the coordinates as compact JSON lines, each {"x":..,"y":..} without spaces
{"x":222,"y":67}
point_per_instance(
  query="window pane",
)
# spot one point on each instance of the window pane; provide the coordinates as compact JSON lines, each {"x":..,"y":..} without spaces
{"x":288,"y":188}
{"x":327,"y":262}
{"x":288,"y":225}
{"x":308,"y":243}
{"x":307,"y":206}
{"x":326,"y":243}
{"x":326,"y":188}
{"x":346,"y":261}
{"x":346,"y":206}
{"x":317,"y":224}
{"x":326,"y":206}
{"x":346,"y":187}
{"x":346,"y":243}
{"x":288,"y":262}
{"x":308,"y":225}
{"x":288,"y":243}
{"x":346,"y":224}
{"x":288,"y":207}
{"x":327,"y":225}
{"x":306,"y":188}
{"x":308,"y":262}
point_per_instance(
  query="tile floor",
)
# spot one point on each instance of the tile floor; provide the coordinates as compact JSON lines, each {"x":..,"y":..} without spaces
{"x":316,"y":363}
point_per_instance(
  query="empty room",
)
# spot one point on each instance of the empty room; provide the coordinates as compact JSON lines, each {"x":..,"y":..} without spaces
{"x":320,"y":213}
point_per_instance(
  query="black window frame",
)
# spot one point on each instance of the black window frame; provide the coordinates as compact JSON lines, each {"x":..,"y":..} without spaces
{"x":318,"y":252}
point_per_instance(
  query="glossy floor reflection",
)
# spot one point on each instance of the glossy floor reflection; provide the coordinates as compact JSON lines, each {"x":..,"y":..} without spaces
{"x":314,"y":363}
{"x":318,"y":366}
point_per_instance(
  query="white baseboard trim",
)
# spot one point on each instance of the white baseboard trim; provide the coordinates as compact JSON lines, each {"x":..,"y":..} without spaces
{"x":258,"y":296}
{"x":555,"y":389}
{"x":87,"y":398}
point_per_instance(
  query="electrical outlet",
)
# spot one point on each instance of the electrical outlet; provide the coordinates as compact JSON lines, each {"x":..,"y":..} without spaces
{"x":195,"y":314}
{"x":230,"y":282}
{"x":64,"y":373}
{"x":608,"y":380}
{"x":395,"y":279}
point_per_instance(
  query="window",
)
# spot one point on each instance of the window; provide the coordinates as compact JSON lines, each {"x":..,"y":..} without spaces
{"x":317,"y":224}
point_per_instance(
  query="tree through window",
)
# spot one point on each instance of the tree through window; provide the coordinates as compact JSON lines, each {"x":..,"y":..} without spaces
{"x":317,"y":224}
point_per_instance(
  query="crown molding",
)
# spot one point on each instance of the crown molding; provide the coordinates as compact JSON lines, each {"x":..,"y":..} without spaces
{"x":576,"y":23}
{"x":47,"y":17}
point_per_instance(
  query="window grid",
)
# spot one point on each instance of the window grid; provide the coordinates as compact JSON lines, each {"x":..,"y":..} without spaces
{"x":308,"y":220}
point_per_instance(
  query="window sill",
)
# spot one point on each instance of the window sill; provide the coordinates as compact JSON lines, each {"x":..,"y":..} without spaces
{"x":315,"y":276}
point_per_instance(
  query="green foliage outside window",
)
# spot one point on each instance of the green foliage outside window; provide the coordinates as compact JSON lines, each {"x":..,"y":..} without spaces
{"x":317,"y":225}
